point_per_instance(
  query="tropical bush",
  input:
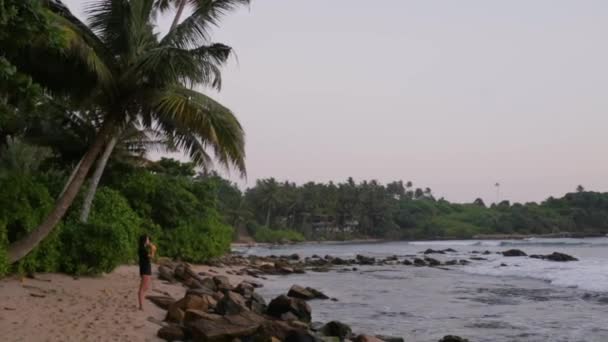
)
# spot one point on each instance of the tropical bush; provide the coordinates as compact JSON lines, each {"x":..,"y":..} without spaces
{"x":23,"y":204}
{"x":265,"y":234}
{"x":107,"y":240}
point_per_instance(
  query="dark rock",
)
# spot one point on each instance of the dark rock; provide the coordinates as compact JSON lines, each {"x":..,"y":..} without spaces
{"x":537,"y":256}
{"x":289,"y":316}
{"x":555,"y":256}
{"x":363,"y":260}
{"x":222,"y":283}
{"x":463,"y":262}
{"x":232,"y":304}
{"x":477,"y":258}
{"x":201,"y":292}
{"x":294,"y":257}
{"x":451,"y":262}
{"x":432,"y":251}
{"x":172,"y":332}
{"x":195,"y":302}
{"x":337,"y":329}
{"x":451,"y":338}
{"x":503,"y":265}
{"x":244,"y":289}
{"x":166,"y":273}
{"x":257,"y":303}
{"x":451,"y":250}
{"x":226,"y":328}
{"x":300,"y":336}
{"x":209,"y":284}
{"x":432,"y":262}
{"x":406,"y":262}
{"x":283,"y":304}
{"x":419,"y":262}
{"x":308,"y":293}
{"x":175,"y":313}
{"x":318,"y":294}
{"x":338,"y":261}
{"x":513,"y":253}
{"x":195,"y":315}
{"x":162,"y":302}
{"x":333,"y":299}
{"x":486,"y":253}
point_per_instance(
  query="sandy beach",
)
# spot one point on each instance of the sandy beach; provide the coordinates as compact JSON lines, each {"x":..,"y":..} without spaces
{"x":57,"y":307}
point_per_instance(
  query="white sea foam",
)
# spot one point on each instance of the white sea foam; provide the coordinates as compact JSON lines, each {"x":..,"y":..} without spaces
{"x":588,"y":274}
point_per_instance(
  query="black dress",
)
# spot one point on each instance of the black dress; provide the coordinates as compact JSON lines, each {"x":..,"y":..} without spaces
{"x":145,"y":268}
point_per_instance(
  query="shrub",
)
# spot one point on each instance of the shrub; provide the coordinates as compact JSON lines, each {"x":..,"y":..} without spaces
{"x":265,"y":234}
{"x":196,"y":242}
{"x":23,"y":205}
{"x":107,"y":240}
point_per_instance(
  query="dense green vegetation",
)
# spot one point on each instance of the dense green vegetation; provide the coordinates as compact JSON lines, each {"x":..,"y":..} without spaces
{"x":400,"y":211}
{"x":110,"y":88}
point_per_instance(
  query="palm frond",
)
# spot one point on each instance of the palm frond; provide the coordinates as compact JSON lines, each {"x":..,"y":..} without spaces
{"x":195,"y":29}
{"x":214,"y":126}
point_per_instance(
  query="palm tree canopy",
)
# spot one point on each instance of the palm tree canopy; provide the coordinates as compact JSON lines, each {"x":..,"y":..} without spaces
{"x":150,"y":79}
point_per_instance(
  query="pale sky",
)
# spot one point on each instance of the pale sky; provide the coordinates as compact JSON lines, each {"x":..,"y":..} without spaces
{"x":453,"y":95}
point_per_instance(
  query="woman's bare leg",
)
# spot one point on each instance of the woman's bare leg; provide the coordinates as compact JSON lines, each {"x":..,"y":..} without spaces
{"x":140,"y":294}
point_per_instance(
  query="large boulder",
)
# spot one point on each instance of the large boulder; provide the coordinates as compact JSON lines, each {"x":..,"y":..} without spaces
{"x":166,"y":273}
{"x":419,"y":262}
{"x":232,"y":303}
{"x":432,"y":262}
{"x":513,"y":253}
{"x":222,"y":283}
{"x":193,"y":302}
{"x":195,"y":315}
{"x":162,"y":302}
{"x":226,"y":328}
{"x":244,"y":289}
{"x":364,"y":260}
{"x":337,"y":329}
{"x":257,"y":303}
{"x":301,"y":336}
{"x":556,"y":256}
{"x":283,"y":304}
{"x":298,"y":291}
{"x":209,"y":283}
{"x":318,"y":294}
{"x":172,"y":332}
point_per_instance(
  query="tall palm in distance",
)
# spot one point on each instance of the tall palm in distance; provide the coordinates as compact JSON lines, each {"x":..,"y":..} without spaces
{"x":135,"y":74}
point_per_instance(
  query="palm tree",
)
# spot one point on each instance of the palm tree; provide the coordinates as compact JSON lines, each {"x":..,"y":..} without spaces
{"x":129,"y":146}
{"x":135,"y":74}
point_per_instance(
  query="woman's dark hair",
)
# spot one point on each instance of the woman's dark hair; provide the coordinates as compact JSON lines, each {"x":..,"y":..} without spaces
{"x":142,"y":241}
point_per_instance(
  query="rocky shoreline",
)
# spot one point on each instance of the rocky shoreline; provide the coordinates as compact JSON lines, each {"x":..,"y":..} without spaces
{"x":213,"y":309}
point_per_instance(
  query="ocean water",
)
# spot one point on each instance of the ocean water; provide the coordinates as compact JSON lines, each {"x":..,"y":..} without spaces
{"x":498,"y":299}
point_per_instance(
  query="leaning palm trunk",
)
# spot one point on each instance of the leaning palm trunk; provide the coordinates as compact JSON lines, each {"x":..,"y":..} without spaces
{"x":99,"y":168}
{"x":19,"y":249}
{"x":71,"y":178}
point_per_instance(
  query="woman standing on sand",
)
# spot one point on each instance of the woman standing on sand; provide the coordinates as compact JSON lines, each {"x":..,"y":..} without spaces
{"x":146,"y":252}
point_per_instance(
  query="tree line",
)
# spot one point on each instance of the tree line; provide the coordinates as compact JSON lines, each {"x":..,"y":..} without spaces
{"x":399,"y":210}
